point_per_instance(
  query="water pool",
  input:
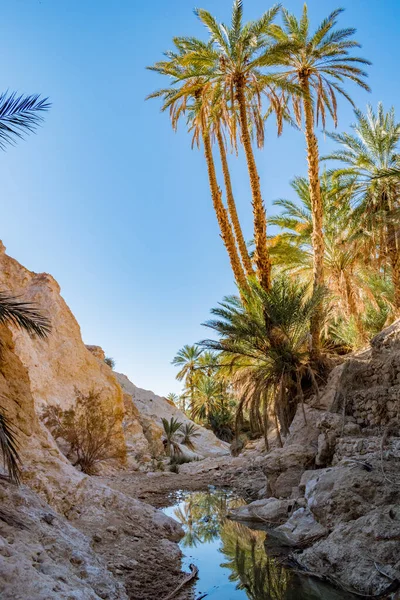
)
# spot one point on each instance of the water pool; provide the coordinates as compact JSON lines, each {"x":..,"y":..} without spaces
{"x":231,"y":558}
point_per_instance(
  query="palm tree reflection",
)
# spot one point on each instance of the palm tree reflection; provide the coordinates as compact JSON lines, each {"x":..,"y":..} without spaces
{"x":203,"y":517}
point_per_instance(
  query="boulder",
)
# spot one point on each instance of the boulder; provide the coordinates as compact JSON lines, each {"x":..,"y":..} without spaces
{"x":362,"y":555}
{"x":269,"y":511}
{"x":300,"y":530}
{"x":286,"y":484}
{"x":43,"y":556}
{"x":349,"y":491}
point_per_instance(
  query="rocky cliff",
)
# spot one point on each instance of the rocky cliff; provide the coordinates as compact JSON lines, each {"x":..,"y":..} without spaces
{"x":332,"y":493}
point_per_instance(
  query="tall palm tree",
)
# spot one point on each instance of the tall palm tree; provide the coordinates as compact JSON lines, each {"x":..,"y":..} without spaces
{"x":368,"y":153}
{"x":319,"y":62}
{"x":234,"y":60}
{"x":187,"y":359}
{"x":25,"y":316}
{"x":264,"y":346}
{"x":208,"y":363}
{"x":189,"y":95}
{"x":230,"y":200}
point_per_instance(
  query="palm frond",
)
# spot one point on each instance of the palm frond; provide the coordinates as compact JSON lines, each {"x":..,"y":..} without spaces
{"x":24,"y":315}
{"x":20,"y":115}
{"x":9,"y":448}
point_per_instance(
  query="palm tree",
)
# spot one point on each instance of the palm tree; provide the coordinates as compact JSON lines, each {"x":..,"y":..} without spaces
{"x":19,"y":115}
{"x":189,"y":431}
{"x":243,"y":250}
{"x":208,"y":363}
{"x":187,"y":360}
{"x":344,"y":250}
{"x":25,"y":316}
{"x":171,"y":430}
{"x":189,"y":95}
{"x":234,"y":60}
{"x":176,"y":400}
{"x":319,"y":62}
{"x":207,"y":398}
{"x":368,"y":155}
{"x":264,"y":346}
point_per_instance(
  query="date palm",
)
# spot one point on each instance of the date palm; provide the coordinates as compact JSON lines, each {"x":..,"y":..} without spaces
{"x":233,"y":214}
{"x":187,"y":359}
{"x":320,"y":62}
{"x":264,"y":346}
{"x":25,"y":316}
{"x":191,"y":95}
{"x":234,"y":60}
{"x":189,"y":432}
{"x":207,"y":398}
{"x":367,"y":153}
{"x":171,"y":430}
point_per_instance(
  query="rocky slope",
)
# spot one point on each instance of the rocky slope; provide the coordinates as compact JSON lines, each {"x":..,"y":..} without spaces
{"x":332,"y":493}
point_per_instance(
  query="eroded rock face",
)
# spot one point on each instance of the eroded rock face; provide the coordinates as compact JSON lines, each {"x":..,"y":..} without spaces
{"x":153,"y":408}
{"x":60,"y":364}
{"x":44,"y":556}
{"x":341,"y":465}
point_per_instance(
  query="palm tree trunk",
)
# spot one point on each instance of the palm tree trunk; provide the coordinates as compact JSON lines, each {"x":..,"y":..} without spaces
{"x":394,"y":258}
{"x":232,"y":208}
{"x":262,"y":259}
{"x":316,"y":209}
{"x":352,"y":307}
{"x":222,"y":216}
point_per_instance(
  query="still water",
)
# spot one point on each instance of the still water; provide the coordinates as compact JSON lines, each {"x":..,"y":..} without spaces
{"x":231,"y":558}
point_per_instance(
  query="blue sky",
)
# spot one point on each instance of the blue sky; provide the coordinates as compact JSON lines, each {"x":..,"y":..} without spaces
{"x":108,"y":199}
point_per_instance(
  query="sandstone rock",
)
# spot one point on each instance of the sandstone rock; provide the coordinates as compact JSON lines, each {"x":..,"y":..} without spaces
{"x":286,"y":482}
{"x":290,"y":456}
{"x":348,"y":491}
{"x":97,"y":351}
{"x":65,"y":509}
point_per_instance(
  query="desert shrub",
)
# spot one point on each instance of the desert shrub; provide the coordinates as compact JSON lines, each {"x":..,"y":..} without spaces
{"x":110,"y":362}
{"x":89,"y":428}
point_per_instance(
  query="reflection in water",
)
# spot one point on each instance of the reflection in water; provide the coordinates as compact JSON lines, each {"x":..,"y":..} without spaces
{"x":231,"y":557}
{"x":262,"y":577}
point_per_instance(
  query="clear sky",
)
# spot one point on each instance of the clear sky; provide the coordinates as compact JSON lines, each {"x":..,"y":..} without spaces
{"x":107,"y":198}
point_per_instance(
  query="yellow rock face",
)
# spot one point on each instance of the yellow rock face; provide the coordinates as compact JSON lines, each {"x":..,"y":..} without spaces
{"x":61,"y":363}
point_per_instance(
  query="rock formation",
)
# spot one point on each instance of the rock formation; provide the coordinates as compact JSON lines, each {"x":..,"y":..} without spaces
{"x":333,"y":491}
